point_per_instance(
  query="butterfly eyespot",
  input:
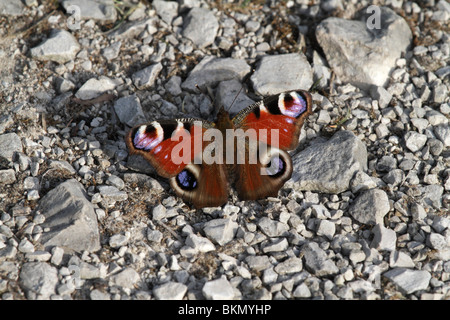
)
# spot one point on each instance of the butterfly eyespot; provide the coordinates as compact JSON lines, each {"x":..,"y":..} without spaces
{"x":186,"y":180}
{"x":276,"y":167}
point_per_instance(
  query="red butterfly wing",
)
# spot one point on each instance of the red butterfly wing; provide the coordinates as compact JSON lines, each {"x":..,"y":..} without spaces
{"x":163,"y":143}
{"x":285,"y":114}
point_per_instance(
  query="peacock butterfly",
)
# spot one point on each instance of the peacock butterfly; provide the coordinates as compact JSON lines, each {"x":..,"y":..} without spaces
{"x":202,"y":158}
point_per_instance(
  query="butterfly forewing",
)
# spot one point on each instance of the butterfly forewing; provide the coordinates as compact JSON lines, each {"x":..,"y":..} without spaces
{"x":281,"y":114}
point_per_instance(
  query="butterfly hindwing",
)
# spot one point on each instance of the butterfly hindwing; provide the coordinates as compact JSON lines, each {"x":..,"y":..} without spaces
{"x":159,"y":143}
{"x":284,"y":113}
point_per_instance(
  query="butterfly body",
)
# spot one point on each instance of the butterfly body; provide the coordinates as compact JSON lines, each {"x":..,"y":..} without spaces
{"x":203,"y":159}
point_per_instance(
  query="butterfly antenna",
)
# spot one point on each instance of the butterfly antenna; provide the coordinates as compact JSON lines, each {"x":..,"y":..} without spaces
{"x":207,"y":92}
{"x":234,"y":100}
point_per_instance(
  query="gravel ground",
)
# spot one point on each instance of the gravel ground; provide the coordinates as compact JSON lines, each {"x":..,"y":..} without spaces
{"x":365,"y":215}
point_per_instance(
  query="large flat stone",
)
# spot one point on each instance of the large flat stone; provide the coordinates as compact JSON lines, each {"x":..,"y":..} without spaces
{"x":70,"y":217}
{"x":329,"y":166}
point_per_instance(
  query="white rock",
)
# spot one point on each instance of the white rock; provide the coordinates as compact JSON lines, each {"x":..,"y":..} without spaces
{"x":170,"y":291}
{"x":61,"y":47}
{"x":219,"y":289}
{"x":95,"y":87}
{"x":384,"y":238}
{"x":409,"y":280}
{"x":200,"y":244}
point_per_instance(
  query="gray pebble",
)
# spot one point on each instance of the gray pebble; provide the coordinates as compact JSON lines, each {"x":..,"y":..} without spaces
{"x":170,"y":291}
{"x":384,"y":239}
{"x":409,"y":280}
{"x":200,"y":26}
{"x":219,"y":289}
{"x":61,"y":47}
{"x":38,"y":279}
{"x":316,"y":260}
{"x":147,"y":76}
{"x":370,"y":207}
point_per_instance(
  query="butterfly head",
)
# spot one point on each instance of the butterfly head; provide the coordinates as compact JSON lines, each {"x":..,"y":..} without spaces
{"x":223,"y":120}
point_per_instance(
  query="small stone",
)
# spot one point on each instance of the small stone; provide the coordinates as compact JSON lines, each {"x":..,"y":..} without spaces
{"x":384,"y":238}
{"x":154,"y":235}
{"x":316,"y":260}
{"x":440,"y":93}
{"x":290,"y":72}
{"x":39,"y":256}
{"x":418,"y":212}
{"x":38,"y":280}
{"x":370,"y":207}
{"x":409,"y":280}
{"x":382,"y":95}
{"x":291,"y":265}
{"x":200,"y":26}
{"x":93,"y":88}
{"x":212,"y":70}
{"x":326,"y":228}
{"x":360,"y":54}
{"x":7,"y":176}
{"x":252,"y":26}
{"x":112,"y":51}
{"x":61,"y":46}
{"x":258,"y":263}
{"x":436,"y":118}
{"x":170,"y":291}
{"x":335,"y":164}
{"x":415,"y":141}
{"x":160,"y":212}
{"x":362,"y":181}
{"x":435,"y":240}
{"x":12,"y":8}
{"x":62,"y":165}
{"x":31,"y":183}
{"x":126,"y":278}
{"x":230,"y":95}
{"x":99,"y":10}
{"x":400,"y":259}
{"x":221,"y":231}
{"x":167,"y":10}
{"x":442,"y":132}
{"x":129,"y":110}
{"x":112,"y":193}
{"x":147,"y":76}
{"x":10,"y":143}
{"x":200,"y":244}
{"x":386,"y":164}
{"x":57,"y":255}
{"x":278,"y":245}
{"x":173,"y":86}
{"x":26,"y":246}
{"x":99,"y":295}
{"x":394,"y":177}
{"x":440,"y":223}
{"x":219,"y":289}
{"x":116,"y":182}
{"x":357,"y":256}
{"x":64,"y":85}
{"x":271,"y":227}
{"x":33,"y":195}
{"x":118,"y":240}
{"x":302,"y":291}
{"x":324,"y":117}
